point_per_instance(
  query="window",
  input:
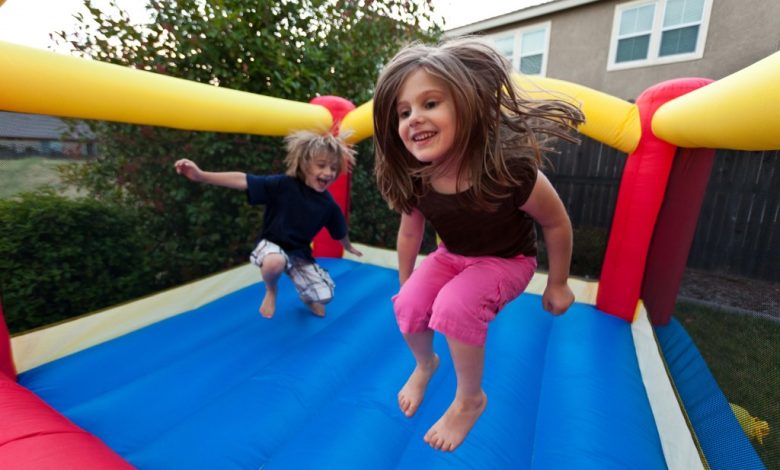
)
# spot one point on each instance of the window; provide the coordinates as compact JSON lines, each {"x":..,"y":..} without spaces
{"x":525,"y":48}
{"x":654,"y":32}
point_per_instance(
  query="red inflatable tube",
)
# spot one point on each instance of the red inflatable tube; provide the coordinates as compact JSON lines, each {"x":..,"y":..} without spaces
{"x":34,"y":436}
{"x":6,"y":359}
{"x":642,"y":192}
{"x":324,"y":245}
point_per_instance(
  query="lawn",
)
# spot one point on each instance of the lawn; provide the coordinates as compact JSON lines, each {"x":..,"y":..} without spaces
{"x":743,"y":353}
{"x":30,"y":173}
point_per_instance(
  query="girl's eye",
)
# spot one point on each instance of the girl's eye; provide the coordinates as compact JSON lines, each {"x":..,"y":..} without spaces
{"x":430,"y":104}
{"x":403,"y":114}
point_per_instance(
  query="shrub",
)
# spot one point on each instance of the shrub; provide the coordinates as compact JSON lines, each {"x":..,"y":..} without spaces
{"x":61,"y":257}
{"x":590,"y":245}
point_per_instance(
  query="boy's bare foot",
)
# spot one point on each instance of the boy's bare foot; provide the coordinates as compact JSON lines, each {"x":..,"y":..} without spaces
{"x":268,"y":307}
{"x":316,"y":308}
{"x":451,"y":429}
{"x":413,"y":391}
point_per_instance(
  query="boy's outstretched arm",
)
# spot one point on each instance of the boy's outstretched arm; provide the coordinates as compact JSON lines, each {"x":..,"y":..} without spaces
{"x":227,"y":179}
{"x":545,"y":206}
{"x":348,"y":246}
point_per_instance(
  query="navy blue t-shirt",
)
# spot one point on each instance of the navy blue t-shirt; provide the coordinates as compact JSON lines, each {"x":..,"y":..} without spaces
{"x":294,"y":212}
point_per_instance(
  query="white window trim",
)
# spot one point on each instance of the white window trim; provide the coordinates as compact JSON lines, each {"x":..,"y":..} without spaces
{"x":516,"y":34}
{"x":655,"y":37}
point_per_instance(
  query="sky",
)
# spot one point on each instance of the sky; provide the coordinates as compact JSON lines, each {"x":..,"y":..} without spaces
{"x":29,"y":22}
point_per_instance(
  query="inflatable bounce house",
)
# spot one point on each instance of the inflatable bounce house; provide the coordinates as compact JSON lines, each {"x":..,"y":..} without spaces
{"x":193,"y":378}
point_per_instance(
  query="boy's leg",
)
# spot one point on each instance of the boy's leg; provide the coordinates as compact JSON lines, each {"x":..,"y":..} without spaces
{"x":272,"y":261}
{"x":470,"y":400}
{"x":313,"y":283}
{"x":272,"y":269}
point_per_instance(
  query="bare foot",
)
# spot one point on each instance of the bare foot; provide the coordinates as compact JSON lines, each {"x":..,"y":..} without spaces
{"x":413,"y":391}
{"x":316,"y":308}
{"x":451,"y":429}
{"x":268,"y":307}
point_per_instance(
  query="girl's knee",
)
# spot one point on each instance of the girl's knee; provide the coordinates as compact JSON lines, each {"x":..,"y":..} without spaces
{"x":411,"y":314}
{"x":463,"y":321}
{"x":406,"y":304}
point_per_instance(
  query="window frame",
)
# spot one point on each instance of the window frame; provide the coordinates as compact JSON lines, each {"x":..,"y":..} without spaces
{"x":517,"y":42}
{"x":656,"y":34}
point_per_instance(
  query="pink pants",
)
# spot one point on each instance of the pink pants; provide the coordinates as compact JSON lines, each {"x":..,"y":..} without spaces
{"x":459,"y":295}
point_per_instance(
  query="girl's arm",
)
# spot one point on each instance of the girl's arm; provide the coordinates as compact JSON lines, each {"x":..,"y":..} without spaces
{"x":410,"y":235}
{"x":228,"y":179}
{"x":348,"y":246}
{"x":545,"y":206}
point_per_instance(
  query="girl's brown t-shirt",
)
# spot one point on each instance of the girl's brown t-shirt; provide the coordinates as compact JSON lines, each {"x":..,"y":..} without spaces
{"x":468,"y":230}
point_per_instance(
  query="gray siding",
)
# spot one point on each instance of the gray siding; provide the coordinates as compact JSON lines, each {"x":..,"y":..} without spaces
{"x":740,"y":33}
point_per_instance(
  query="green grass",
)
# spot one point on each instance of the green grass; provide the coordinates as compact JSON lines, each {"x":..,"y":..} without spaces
{"x":743,"y":353}
{"x":30,"y":173}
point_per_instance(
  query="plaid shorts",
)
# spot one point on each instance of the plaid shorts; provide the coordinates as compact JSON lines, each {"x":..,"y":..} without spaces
{"x":312,"y":282}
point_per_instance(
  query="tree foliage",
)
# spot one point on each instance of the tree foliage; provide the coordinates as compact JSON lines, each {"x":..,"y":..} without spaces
{"x":294,"y":50}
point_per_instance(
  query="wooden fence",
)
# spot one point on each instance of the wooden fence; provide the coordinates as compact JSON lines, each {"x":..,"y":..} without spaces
{"x":738,"y":231}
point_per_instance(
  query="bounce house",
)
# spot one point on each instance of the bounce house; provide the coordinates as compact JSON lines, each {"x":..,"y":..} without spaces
{"x":193,"y":378}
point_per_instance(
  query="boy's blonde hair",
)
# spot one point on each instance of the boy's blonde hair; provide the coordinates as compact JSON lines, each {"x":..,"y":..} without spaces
{"x":305,"y":146}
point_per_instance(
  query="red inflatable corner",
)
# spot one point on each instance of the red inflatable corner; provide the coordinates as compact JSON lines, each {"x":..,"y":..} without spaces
{"x":6,"y":357}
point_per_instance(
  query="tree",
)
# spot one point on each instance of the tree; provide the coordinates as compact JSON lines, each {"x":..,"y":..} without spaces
{"x":288,"y":49}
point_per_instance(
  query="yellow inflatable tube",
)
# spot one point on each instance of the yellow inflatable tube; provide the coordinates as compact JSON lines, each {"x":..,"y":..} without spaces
{"x":40,"y":82}
{"x":740,"y":112}
{"x":359,"y":123}
{"x":609,"y":120}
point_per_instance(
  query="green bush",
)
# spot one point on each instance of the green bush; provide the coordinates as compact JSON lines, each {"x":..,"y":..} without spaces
{"x":61,"y":257}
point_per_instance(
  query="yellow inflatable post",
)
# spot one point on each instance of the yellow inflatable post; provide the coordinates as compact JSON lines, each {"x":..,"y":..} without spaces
{"x":609,"y":120}
{"x":359,"y":123}
{"x":41,"y":82}
{"x":739,"y":112}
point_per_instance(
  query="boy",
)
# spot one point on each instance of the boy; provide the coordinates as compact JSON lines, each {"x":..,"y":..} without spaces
{"x":298,"y":206}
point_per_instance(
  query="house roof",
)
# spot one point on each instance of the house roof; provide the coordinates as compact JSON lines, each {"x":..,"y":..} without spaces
{"x":40,"y":127}
{"x":551,"y":6}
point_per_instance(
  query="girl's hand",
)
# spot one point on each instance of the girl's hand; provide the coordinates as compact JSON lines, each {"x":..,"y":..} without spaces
{"x":188,"y":168}
{"x":557,"y":298}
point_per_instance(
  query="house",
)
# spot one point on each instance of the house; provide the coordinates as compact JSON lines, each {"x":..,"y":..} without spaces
{"x":24,"y":135}
{"x":623,"y":47}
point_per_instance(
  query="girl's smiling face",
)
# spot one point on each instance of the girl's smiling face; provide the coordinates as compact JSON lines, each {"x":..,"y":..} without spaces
{"x":426,"y":117}
{"x":321,"y":172}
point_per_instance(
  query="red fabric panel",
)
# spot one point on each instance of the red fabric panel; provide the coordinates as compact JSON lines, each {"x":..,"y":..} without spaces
{"x":324,"y":245}
{"x":60,"y":452}
{"x":641,"y":193}
{"x":34,"y":436}
{"x":673,"y":236}
{"x":6,"y":357}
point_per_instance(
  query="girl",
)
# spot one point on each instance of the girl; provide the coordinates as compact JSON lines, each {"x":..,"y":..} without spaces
{"x":458,"y":144}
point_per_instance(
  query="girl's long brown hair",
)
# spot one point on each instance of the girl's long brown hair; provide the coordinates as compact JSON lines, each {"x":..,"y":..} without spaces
{"x":495,"y":121}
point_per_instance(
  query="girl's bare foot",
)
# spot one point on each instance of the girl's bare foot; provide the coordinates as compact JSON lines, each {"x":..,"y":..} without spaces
{"x":413,"y":391}
{"x":268,"y":307}
{"x":451,"y":429}
{"x":316,"y":308}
